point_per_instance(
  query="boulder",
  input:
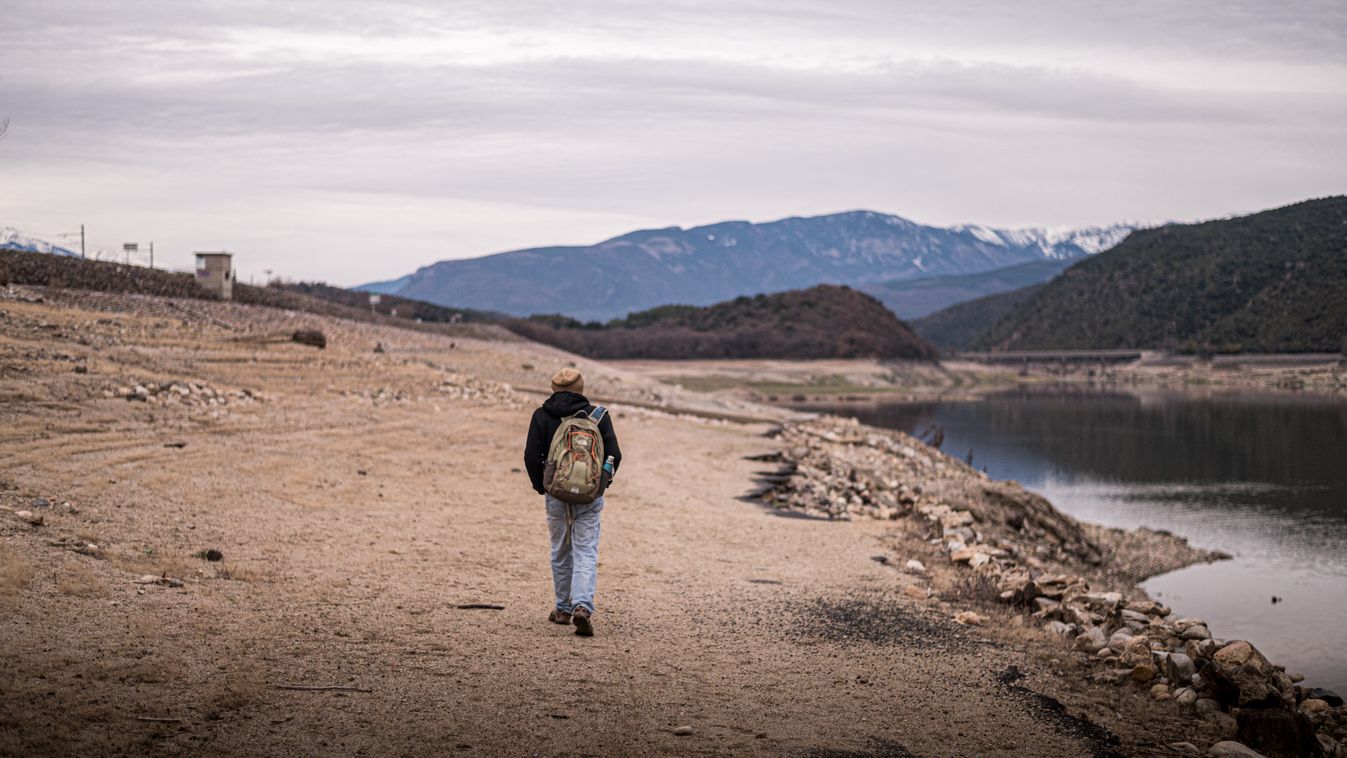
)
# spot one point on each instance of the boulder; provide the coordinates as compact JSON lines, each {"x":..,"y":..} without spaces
{"x":1091,"y":640}
{"x":1241,"y":676}
{"x":1102,"y":599}
{"x":1137,"y":652}
{"x":1119,"y":641}
{"x":1232,"y":749}
{"x":1179,"y":668}
{"x":1058,"y":629}
{"x":1278,"y":732}
{"x":1328,"y":696}
{"x":1196,"y":632}
{"x":1143,"y":673}
{"x":1316,"y":710}
{"x":968,"y":618}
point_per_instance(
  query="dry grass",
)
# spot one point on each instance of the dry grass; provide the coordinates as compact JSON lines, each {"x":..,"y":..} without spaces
{"x":15,"y":572}
{"x":77,"y":581}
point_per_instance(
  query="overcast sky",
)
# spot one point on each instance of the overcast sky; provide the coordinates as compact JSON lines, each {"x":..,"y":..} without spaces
{"x":351,"y":141}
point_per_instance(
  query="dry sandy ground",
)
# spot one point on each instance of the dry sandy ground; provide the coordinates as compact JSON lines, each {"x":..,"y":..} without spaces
{"x":354,"y":521}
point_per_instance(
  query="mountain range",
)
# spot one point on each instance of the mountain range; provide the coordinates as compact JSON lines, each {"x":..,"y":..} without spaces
{"x":710,"y":264}
{"x":13,"y":239}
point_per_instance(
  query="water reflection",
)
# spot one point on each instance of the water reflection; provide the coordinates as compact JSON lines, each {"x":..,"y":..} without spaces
{"x":1261,"y":477}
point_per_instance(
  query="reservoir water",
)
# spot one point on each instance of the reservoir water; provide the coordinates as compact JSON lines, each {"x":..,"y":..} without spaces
{"x":1263,"y":478}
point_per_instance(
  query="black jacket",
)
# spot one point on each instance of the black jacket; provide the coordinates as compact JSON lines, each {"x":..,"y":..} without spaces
{"x":544,"y":425}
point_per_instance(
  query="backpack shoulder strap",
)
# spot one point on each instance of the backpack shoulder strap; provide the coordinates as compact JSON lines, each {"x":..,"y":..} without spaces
{"x":598,"y":413}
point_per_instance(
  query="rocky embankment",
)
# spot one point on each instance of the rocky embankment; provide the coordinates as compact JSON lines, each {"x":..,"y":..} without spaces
{"x":1076,"y":581}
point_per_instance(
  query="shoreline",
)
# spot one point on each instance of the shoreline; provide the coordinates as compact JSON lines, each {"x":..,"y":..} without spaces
{"x":356,"y":489}
{"x":781,"y":382}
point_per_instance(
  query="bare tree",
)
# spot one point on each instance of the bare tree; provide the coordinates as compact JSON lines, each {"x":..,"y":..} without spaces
{"x":4,"y":128}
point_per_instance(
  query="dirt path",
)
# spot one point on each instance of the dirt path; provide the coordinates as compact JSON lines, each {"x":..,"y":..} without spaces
{"x":352,"y":527}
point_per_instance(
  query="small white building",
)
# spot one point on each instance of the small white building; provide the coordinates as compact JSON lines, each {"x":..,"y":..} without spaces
{"x":215,"y":272}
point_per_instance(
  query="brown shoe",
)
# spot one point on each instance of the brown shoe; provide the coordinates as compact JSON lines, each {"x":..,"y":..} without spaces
{"x":580,"y":617}
{"x":558,"y":616}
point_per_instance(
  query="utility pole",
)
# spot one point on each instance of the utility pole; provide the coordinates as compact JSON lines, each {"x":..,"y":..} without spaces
{"x":81,"y":240}
{"x":151,"y":253}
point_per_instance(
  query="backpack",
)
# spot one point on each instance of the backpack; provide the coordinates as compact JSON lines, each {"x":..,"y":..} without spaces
{"x":574,"y":469}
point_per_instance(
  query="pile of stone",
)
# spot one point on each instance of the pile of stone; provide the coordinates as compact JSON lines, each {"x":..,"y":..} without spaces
{"x":182,"y":393}
{"x":458,"y":386}
{"x":1033,"y":557}
{"x":1138,"y":642}
{"x":840,"y":469}
{"x":382,"y":396}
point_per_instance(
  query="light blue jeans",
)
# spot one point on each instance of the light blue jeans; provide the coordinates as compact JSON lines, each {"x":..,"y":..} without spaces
{"x":575,"y":559}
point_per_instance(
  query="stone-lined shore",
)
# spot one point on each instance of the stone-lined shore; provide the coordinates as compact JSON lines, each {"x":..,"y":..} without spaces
{"x":1077,"y":582}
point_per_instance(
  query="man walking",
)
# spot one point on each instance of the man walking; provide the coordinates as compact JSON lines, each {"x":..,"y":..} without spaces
{"x":574,"y":527}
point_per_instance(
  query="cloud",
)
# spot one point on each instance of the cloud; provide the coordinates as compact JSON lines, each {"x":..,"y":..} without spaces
{"x":532,"y":123}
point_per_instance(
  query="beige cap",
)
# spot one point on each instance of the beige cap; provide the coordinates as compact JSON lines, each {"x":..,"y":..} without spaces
{"x":568,"y":380}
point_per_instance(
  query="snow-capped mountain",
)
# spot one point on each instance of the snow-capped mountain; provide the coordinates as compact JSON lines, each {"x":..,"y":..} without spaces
{"x":13,"y":239}
{"x":710,"y":264}
{"x":1057,"y":243}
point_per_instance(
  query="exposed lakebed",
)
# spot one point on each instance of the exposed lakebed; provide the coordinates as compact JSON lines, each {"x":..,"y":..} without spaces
{"x":1263,"y":478}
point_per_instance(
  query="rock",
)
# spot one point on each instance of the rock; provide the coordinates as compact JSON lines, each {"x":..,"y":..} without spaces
{"x":968,"y":618}
{"x":1058,"y":629}
{"x":1137,"y":653}
{"x":1102,"y":599}
{"x":1180,"y":624}
{"x":1316,"y":710}
{"x":1185,"y":696}
{"x":1328,"y":696}
{"x":30,"y":517}
{"x":214,"y":555}
{"x":1232,"y":749}
{"x":1241,"y":676}
{"x":174,"y":582}
{"x":1160,"y":689}
{"x":1046,"y":606}
{"x":311,"y":337}
{"x":1179,"y":668}
{"x":1225,"y":723}
{"x":915,"y":566}
{"x":1092,"y":640}
{"x":147,"y":579}
{"x":1143,"y":673}
{"x":962,"y":555}
{"x":1277,"y":732}
{"x":1184,"y":748}
{"x":41,"y":502}
{"x":1119,"y":641}
{"x":682,"y":731}
{"x":1196,"y":632}
{"x":915,"y":592}
{"x":1196,"y":649}
{"x":1113,"y":676}
{"x":1205,"y":705}
{"x":981,"y":559}
{"x":1137,"y":616}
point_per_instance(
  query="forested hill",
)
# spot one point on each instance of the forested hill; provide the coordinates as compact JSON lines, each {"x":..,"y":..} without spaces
{"x":959,"y":326}
{"x":820,"y":322}
{"x":1274,"y":281}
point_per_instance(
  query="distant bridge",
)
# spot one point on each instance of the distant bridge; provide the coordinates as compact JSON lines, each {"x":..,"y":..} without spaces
{"x":1058,"y":356}
{"x":1150,"y":357}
